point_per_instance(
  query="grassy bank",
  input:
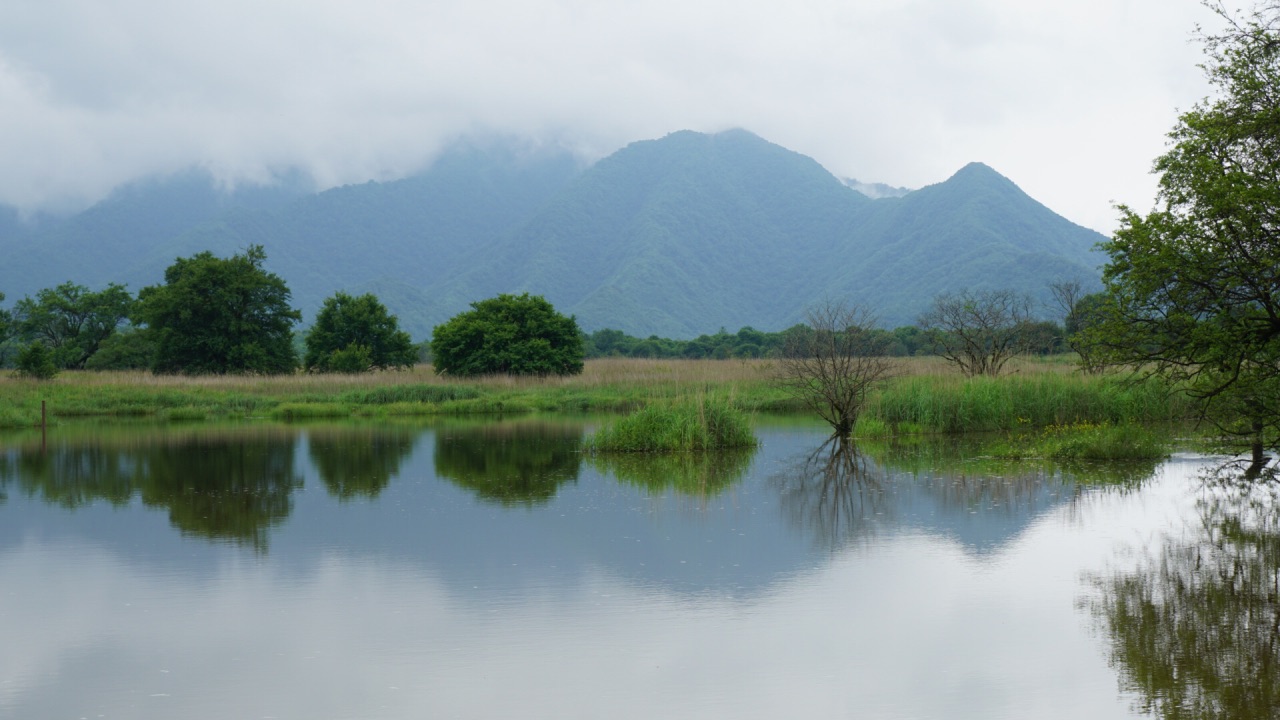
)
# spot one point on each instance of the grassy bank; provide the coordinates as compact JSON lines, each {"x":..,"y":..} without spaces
{"x":929,"y":397}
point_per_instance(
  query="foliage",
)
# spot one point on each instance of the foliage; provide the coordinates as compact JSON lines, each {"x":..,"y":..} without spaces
{"x":35,"y":361}
{"x":509,"y":334}
{"x":354,"y":334}
{"x":694,"y":424}
{"x":72,"y":321}
{"x":217,"y":316}
{"x":979,"y":331}
{"x":1081,"y":311}
{"x":834,"y":363}
{"x":6,"y":322}
{"x":126,"y":349}
{"x":1194,"y":285}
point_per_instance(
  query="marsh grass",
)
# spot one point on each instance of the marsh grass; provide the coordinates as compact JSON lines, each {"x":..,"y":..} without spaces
{"x":1086,"y":441}
{"x":952,"y":404}
{"x":928,"y":397}
{"x":699,"y":423}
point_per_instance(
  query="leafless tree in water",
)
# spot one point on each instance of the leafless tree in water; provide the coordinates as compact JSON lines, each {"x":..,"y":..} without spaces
{"x":835,"y":362}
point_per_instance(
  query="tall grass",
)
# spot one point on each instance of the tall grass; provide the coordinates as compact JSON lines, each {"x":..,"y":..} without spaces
{"x":950,"y":404}
{"x":694,"y":424}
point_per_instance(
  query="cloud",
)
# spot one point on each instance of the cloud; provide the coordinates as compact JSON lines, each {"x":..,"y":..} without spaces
{"x":1070,"y":100}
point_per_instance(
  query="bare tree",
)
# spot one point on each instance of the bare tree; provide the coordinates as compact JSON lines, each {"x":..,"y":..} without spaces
{"x":837,"y":360}
{"x":979,"y":332}
{"x":1076,"y":307}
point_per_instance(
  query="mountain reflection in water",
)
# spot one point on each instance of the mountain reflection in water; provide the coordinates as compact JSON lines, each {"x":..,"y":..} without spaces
{"x":811,"y":577}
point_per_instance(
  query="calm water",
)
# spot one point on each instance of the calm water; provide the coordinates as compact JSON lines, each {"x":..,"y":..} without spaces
{"x":491,"y":570}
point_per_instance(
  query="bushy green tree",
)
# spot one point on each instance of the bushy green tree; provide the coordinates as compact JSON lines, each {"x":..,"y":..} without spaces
{"x":512,"y":334}
{"x":6,"y":322}
{"x":35,"y":361}
{"x":71,"y":321}
{"x":354,"y":334}
{"x":127,"y":349}
{"x":216,"y":315}
{"x":1194,"y":285}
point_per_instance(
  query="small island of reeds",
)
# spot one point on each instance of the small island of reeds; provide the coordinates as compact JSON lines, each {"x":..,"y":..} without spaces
{"x":698,"y":423}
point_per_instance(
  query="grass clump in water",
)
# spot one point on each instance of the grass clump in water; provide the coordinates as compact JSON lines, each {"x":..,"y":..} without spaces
{"x":692,"y":424}
{"x":1087,"y":441}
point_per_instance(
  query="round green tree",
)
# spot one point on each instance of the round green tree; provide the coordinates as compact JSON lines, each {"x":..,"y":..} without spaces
{"x":216,"y":315}
{"x":355,"y":334}
{"x":509,"y":334}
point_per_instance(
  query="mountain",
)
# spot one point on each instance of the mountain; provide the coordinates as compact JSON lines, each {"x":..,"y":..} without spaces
{"x":109,"y":241}
{"x":676,"y":236}
{"x":875,"y":190}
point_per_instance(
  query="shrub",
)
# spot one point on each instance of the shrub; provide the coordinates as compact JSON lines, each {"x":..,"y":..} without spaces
{"x":36,"y":362}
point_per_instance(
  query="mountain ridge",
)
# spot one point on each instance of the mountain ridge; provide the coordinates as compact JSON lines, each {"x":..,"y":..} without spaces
{"x":674,"y":236}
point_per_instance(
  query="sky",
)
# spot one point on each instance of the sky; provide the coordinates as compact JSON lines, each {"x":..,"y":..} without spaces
{"x":1072,"y":100}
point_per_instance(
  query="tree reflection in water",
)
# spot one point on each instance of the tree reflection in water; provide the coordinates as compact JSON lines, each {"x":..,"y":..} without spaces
{"x":844,"y":492}
{"x":215,"y":483}
{"x":835,"y":492}
{"x":510,"y":463}
{"x":358,"y":462}
{"x":1195,"y":629}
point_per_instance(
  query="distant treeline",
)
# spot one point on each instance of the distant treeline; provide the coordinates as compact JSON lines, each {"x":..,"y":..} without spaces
{"x":1040,"y":338}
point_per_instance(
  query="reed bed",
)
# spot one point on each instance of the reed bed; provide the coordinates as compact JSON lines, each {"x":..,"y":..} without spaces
{"x":927,"y":396}
{"x":700,"y":423}
{"x":953,"y":404}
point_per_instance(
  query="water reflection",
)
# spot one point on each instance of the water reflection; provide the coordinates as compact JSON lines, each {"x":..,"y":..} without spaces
{"x":701,"y":475}
{"x":835,"y":492}
{"x":219,"y":485}
{"x":517,"y":463}
{"x":1194,"y":629}
{"x":844,"y":492}
{"x":358,"y":462}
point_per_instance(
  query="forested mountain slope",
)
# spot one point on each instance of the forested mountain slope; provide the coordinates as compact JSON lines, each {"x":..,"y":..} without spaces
{"x":676,"y":237}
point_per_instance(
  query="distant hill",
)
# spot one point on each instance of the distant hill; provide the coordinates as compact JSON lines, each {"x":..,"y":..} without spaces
{"x":676,"y":237}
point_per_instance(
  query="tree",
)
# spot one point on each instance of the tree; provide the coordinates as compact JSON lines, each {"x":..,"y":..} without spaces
{"x":6,"y":322}
{"x":354,"y":334}
{"x":35,"y":361}
{"x":71,"y":321}
{"x":1194,"y":285}
{"x":216,"y":315}
{"x":979,"y":332}
{"x":833,"y":363}
{"x":516,"y":335}
{"x":1080,"y":311}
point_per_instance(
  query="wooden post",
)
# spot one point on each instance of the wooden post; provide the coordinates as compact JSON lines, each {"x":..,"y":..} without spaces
{"x":43,"y":425}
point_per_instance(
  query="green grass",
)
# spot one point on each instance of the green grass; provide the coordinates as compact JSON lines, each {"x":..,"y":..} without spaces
{"x":927,"y":398}
{"x":1086,"y":441}
{"x":949,"y":404}
{"x":694,"y":424}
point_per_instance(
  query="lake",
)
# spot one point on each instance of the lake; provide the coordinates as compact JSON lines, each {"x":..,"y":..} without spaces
{"x":490,"y":569}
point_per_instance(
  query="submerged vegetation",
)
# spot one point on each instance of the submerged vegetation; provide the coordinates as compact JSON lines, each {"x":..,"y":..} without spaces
{"x":1086,"y":441}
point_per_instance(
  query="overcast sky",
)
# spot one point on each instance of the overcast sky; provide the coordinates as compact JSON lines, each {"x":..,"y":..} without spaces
{"x":1070,"y":99}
